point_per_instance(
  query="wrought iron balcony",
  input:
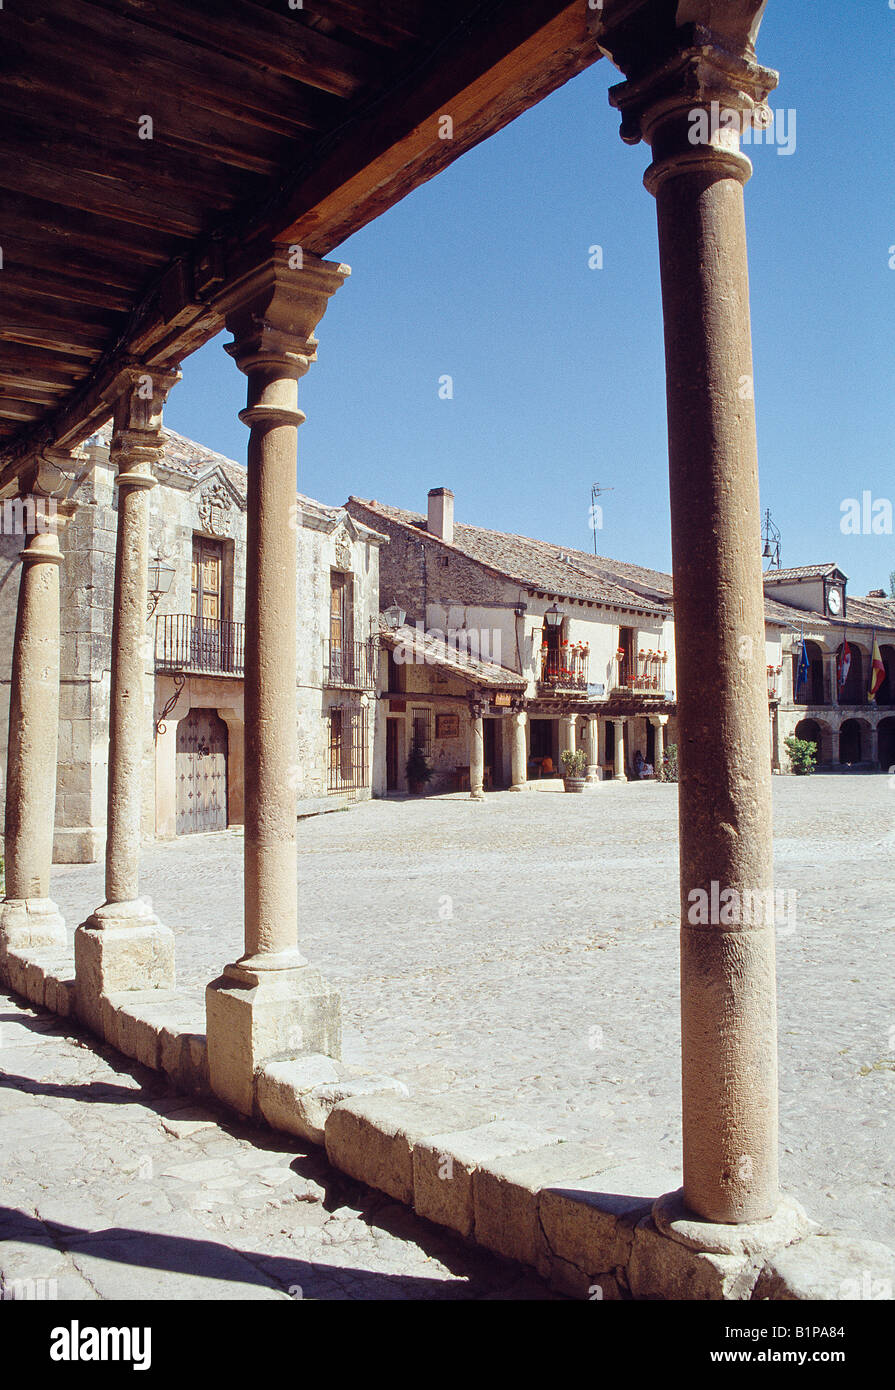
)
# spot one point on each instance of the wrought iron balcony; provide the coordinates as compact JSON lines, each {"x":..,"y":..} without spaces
{"x":350,"y":666}
{"x":640,"y":675}
{"x":774,"y":682}
{"x":202,"y":646}
{"x":565,"y":668}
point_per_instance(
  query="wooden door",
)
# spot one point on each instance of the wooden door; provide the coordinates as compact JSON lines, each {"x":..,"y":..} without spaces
{"x":206,"y":602}
{"x":201,"y":773}
{"x":391,"y":755}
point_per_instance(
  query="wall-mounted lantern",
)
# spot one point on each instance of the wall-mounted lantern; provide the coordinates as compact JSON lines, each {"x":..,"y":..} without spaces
{"x":161,"y":575}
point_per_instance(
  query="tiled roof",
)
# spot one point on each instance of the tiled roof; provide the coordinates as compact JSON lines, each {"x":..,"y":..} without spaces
{"x":800,"y":572}
{"x":188,"y":459}
{"x":423,"y":648}
{"x":553,"y":569}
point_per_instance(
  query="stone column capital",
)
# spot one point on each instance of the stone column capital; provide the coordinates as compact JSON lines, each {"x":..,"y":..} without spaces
{"x":695,"y":98}
{"x":138,"y":396}
{"x":273,"y":307}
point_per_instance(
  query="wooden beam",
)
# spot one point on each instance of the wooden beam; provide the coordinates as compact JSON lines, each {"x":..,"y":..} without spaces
{"x":486,"y":77}
{"x":283,"y":43}
{"x":160,"y":65}
{"x":512,"y":55}
{"x":177,"y":124}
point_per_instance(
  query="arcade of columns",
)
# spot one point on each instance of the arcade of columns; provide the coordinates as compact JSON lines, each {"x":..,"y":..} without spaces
{"x":271,"y":1002}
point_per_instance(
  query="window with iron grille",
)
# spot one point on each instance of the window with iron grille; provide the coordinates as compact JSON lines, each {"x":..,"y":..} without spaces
{"x":422,"y":728}
{"x":347,"y":748}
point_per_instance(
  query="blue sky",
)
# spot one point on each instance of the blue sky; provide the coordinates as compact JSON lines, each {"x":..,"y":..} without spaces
{"x":557,"y":368}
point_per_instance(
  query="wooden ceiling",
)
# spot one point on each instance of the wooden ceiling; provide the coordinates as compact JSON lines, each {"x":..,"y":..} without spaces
{"x":267,"y":123}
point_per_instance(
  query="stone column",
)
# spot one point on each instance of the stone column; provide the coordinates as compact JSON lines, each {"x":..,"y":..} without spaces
{"x":518,"y":751}
{"x":593,"y":748}
{"x":658,"y":722}
{"x":270,"y":1003}
{"x":566,"y":735}
{"x":477,"y":750}
{"x":729,"y":1047}
{"x":619,"y":773}
{"x":122,"y":945}
{"x":28,"y":918}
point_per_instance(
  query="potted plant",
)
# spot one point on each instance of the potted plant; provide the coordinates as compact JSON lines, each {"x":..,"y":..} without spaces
{"x":418,"y":770}
{"x":575,"y":769}
{"x":668,"y":771}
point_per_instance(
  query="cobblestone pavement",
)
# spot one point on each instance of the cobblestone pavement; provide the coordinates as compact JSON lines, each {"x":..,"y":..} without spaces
{"x":113,"y":1187}
{"x":527,"y":946}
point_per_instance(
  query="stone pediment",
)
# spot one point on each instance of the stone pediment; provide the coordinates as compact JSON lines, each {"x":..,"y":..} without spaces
{"x":218,"y":502}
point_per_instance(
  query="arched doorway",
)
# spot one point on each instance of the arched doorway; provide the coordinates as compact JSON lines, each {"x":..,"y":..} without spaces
{"x":887,"y":743}
{"x":852,"y":692}
{"x":886,"y":693}
{"x":809,"y":730}
{"x":201,"y":772}
{"x":850,"y":742}
{"x":809,"y":691}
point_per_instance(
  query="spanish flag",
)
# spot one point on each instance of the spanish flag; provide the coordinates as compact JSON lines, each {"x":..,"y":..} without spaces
{"x":877,"y":671}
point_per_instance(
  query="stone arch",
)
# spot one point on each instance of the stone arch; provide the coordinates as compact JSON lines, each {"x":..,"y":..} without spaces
{"x":886,"y":730}
{"x":854,"y":742}
{"x":813,"y":690}
{"x":886,"y":693}
{"x":853,"y":691}
{"x":818,"y":732}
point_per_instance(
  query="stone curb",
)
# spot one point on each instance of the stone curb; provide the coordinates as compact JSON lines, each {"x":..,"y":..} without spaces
{"x":527,"y":1196}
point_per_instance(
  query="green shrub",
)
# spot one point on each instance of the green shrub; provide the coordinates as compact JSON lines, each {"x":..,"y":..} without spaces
{"x":574,"y":762}
{"x":802,"y":755}
{"x":668,"y":771}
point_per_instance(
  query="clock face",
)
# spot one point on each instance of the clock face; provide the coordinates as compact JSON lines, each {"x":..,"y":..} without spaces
{"x":834,"y":600}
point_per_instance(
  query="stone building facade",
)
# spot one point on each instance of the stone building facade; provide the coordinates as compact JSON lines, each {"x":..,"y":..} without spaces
{"x":591,"y":642}
{"x":194,"y":721}
{"x":603,"y":679}
{"x":831,"y":706}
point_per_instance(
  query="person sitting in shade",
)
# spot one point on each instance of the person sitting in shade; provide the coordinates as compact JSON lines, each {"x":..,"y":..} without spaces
{"x":547,"y":766}
{"x":638,"y":764}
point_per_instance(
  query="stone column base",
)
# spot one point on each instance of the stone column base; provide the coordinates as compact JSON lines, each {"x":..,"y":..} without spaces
{"x":476,"y":796}
{"x":789,"y":1223}
{"x":517,"y":787}
{"x":257,"y":1016}
{"x":30,"y":924}
{"x":593,"y":773}
{"x":676,"y":1256}
{"x":121,"y":946}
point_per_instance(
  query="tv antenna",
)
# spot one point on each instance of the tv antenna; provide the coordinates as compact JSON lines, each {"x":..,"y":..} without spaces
{"x":596,"y":511}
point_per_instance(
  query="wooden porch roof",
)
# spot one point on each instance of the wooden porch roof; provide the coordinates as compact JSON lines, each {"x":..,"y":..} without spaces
{"x":268,"y":123}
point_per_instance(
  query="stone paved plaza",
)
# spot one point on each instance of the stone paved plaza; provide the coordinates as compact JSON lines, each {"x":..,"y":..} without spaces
{"x":115,"y":1188}
{"x":525,"y":949}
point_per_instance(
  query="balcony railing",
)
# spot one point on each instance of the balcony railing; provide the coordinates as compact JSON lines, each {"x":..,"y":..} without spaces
{"x":774,"y":682}
{"x":351,"y":666}
{"x":207,"y":646}
{"x":643,"y":674}
{"x":565,"y":668}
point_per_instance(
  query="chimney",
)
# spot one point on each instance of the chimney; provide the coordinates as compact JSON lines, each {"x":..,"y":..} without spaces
{"x":441,"y":514}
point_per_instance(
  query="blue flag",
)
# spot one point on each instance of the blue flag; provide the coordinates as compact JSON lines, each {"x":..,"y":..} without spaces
{"x":802,"y":673}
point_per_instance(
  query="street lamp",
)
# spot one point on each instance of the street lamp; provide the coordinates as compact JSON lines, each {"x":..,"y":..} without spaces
{"x":394,"y":617}
{"x":160,"y":576}
{"x":553,"y":617}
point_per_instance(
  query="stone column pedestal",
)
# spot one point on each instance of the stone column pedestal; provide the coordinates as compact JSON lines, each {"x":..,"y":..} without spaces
{"x":123,"y":946}
{"x":518,"y":751}
{"x":270,"y":1003}
{"x":28,"y":919}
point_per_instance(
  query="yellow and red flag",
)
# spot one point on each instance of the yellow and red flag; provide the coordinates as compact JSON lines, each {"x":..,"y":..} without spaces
{"x":877,"y":671}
